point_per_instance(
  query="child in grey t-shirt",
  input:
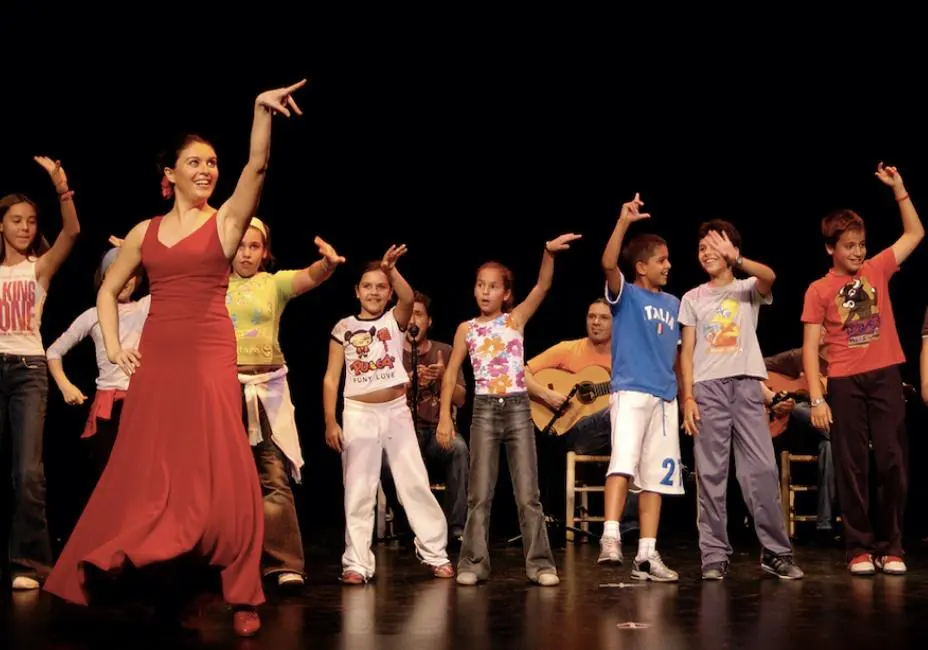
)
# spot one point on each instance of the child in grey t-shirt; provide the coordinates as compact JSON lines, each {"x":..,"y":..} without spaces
{"x":722,"y":367}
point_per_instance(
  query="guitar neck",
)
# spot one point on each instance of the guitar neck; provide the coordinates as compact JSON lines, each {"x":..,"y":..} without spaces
{"x":602,"y":389}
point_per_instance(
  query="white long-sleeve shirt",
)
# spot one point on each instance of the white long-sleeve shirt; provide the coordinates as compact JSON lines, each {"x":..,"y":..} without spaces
{"x":132,"y":317}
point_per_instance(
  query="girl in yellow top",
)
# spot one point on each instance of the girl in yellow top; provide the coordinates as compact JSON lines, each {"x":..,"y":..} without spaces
{"x":255,"y":300}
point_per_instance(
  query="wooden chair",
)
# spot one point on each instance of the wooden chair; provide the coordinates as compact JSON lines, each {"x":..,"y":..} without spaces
{"x":575,"y":487}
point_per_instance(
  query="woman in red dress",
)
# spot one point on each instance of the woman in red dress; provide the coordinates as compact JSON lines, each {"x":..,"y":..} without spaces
{"x":181,"y":481}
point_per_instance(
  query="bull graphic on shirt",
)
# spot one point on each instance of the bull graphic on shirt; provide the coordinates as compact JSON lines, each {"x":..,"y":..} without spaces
{"x":858,"y":301}
{"x":859,"y":311}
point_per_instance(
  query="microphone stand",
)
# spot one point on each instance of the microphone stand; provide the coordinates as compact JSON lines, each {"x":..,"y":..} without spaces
{"x":414,"y":333}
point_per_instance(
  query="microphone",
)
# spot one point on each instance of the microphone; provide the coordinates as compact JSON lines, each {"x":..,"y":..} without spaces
{"x":414,"y":330}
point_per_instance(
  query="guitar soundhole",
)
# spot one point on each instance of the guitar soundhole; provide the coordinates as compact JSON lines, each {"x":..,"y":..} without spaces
{"x":585,"y":392}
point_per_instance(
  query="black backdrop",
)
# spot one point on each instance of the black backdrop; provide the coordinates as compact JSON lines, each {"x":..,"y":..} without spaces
{"x":466,"y":144}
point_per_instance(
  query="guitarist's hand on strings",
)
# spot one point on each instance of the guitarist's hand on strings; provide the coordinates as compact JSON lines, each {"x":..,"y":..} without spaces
{"x":784,"y":407}
{"x":554,"y":399}
{"x":690,"y":416}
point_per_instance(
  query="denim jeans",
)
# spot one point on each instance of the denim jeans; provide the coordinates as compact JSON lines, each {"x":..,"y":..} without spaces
{"x":453,"y":462}
{"x":23,"y":395}
{"x":801,"y":416}
{"x":504,"y":420}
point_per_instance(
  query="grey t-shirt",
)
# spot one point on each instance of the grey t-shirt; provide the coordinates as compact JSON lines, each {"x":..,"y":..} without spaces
{"x":725,"y":320}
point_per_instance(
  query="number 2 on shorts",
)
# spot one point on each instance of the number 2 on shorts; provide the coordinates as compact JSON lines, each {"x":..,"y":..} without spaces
{"x":670,"y":465}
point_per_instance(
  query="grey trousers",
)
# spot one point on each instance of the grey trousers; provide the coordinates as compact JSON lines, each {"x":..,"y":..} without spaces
{"x":732,"y":413}
{"x":504,"y":420}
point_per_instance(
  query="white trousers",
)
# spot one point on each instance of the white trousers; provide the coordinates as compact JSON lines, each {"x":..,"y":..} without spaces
{"x":369,"y":430}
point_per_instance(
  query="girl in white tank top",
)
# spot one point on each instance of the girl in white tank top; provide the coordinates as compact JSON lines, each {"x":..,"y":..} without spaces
{"x":27,"y":265}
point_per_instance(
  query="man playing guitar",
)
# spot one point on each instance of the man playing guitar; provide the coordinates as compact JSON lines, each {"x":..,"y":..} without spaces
{"x":591,"y":434}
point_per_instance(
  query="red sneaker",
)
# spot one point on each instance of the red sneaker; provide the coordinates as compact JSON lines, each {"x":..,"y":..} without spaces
{"x":891,"y":564}
{"x":862,"y":565}
{"x":352,"y":578}
{"x":443,"y":571}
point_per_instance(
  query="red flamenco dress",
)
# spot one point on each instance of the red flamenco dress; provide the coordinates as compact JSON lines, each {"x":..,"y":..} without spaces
{"x":181,"y":481}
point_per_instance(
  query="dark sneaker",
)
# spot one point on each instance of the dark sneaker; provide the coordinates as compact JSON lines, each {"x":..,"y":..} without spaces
{"x":782,"y":566}
{"x":715,"y":571}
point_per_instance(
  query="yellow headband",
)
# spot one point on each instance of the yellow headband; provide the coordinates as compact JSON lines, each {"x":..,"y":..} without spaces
{"x":258,"y":225}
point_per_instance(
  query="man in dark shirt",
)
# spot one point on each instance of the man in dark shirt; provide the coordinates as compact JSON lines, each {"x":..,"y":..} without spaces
{"x":432,"y":357}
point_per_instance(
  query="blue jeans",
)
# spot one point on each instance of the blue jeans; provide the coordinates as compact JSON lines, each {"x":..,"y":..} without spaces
{"x":23,"y":395}
{"x":504,"y":420}
{"x":801,"y":416}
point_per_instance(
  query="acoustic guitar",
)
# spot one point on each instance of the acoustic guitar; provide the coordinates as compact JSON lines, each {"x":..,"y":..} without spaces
{"x":588,"y":390}
{"x":784,"y":388}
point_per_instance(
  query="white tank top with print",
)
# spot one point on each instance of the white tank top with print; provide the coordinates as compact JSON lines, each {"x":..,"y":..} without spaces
{"x":21,"y":303}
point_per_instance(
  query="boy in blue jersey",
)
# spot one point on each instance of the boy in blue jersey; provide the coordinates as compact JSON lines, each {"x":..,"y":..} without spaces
{"x":645,"y":420}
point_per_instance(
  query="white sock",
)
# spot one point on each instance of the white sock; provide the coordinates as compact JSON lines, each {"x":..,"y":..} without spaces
{"x":611,"y":529}
{"x":646,"y":546}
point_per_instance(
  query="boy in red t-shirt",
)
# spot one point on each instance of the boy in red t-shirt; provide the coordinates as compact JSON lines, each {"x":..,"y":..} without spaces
{"x":864,"y":385}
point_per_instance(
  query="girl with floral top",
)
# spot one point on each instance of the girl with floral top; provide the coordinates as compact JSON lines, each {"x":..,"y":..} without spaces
{"x":494,"y":342}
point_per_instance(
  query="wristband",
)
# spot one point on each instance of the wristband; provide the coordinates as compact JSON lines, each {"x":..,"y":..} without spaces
{"x":902,"y":198}
{"x":817,"y":402}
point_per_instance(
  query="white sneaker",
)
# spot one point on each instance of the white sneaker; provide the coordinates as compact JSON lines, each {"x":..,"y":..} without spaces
{"x":610,"y":551}
{"x":548,"y":579}
{"x":24,"y":583}
{"x":466,"y":578}
{"x":653,"y":569}
{"x":289,"y":579}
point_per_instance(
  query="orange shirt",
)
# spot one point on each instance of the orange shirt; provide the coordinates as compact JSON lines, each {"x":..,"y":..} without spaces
{"x":572,"y":356}
{"x":857,"y":314}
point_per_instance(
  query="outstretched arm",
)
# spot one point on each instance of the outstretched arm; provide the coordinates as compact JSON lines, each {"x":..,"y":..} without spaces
{"x":610,"y":260}
{"x":318,"y":272}
{"x":236,"y":213}
{"x":405,"y":296}
{"x":76,"y":332}
{"x":912,"y":229}
{"x":527,"y":308}
{"x":51,"y":261}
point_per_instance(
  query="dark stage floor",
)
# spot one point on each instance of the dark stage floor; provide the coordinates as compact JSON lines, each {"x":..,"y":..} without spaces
{"x":592,"y":608}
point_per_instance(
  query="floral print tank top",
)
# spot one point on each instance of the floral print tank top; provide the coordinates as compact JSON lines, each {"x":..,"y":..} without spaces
{"x":497,"y":356}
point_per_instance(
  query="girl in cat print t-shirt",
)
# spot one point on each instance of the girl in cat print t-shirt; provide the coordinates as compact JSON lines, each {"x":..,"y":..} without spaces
{"x":376,"y":418}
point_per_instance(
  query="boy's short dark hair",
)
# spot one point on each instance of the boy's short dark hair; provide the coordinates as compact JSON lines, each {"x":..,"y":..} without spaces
{"x":837,"y":223}
{"x":599,"y":301}
{"x":641,"y":248}
{"x":425,"y":300}
{"x":722,"y":227}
